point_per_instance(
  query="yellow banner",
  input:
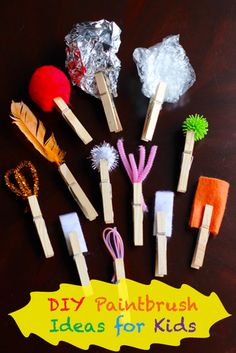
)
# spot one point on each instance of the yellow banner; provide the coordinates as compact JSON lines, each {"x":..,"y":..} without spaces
{"x":112,"y":315}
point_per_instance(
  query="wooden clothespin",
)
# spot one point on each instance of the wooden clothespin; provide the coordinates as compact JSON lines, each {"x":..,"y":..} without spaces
{"x":162,"y":63}
{"x":40,"y":226}
{"x":207,"y":213}
{"x":104,"y":158}
{"x":153,"y":111}
{"x":162,"y":228}
{"x":106,"y":191}
{"x":34,"y":131}
{"x":29,"y":192}
{"x":115,"y":246}
{"x":137,"y":173}
{"x":79,"y":259}
{"x":187,"y":159}
{"x":70,"y":223}
{"x":161,"y":245}
{"x":72,"y":120}
{"x":77,"y":192}
{"x":76,"y":244}
{"x":138,"y":214}
{"x":48,"y":87}
{"x":195,"y":127}
{"x":108,"y":103}
{"x":202,"y":240}
{"x":119,"y":268}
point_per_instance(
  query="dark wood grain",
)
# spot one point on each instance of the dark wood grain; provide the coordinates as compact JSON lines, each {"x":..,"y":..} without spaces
{"x":32,"y":34}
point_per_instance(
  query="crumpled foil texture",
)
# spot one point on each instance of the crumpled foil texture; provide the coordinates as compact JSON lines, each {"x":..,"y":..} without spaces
{"x":91,"y":47}
{"x":165,"y":61}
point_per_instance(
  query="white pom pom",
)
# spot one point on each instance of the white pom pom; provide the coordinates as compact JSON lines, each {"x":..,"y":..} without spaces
{"x":104,"y":151}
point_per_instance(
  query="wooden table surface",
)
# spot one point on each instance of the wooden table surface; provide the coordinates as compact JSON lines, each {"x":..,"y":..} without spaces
{"x":32,"y":34}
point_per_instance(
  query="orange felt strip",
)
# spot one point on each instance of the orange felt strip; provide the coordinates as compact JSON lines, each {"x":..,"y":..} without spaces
{"x":212,"y":192}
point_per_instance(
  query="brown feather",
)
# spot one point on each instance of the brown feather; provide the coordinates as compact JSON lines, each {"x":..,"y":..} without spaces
{"x":34,"y":131}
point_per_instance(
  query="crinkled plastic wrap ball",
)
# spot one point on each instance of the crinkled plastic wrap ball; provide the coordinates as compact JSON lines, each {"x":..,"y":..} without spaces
{"x":168,"y":62}
{"x":91,"y":47}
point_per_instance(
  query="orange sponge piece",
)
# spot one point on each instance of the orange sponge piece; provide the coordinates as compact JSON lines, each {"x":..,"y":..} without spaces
{"x":213,"y":192}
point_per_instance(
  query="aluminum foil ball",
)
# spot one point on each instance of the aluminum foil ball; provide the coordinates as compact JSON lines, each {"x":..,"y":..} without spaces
{"x":91,"y":47}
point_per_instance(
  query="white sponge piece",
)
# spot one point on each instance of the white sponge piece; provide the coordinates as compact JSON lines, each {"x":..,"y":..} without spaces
{"x":165,"y":61}
{"x":70,"y":223}
{"x":164,"y":202}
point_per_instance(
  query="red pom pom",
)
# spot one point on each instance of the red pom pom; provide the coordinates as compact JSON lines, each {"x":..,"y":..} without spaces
{"x":47,"y":83}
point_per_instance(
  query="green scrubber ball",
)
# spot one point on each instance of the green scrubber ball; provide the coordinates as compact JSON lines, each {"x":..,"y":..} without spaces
{"x":196,"y":123}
